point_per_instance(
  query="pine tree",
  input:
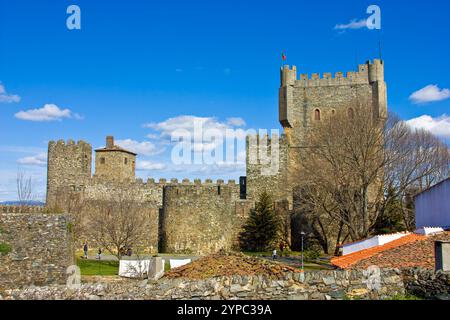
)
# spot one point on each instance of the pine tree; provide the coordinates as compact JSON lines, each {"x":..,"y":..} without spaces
{"x":262,"y":226}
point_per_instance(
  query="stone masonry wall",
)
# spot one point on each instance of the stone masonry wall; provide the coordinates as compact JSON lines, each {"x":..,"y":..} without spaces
{"x":36,"y":249}
{"x":22,"y":209}
{"x":321,"y":285}
{"x":426,"y":283}
{"x":199,"y":218}
{"x":258,"y":180}
{"x":135,"y":189}
{"x":115,"y":165}
{"x":69,"y":167}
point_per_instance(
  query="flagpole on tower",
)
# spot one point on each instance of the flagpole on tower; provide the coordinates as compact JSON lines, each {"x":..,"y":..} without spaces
{"x":380,"y":53}
{"x":283,"y":58}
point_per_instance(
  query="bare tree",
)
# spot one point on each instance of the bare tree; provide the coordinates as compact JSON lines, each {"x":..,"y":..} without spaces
{"x":416,"y":160}
{"x":353,"y":160}
{"x":311,"y":218}
{"x":71,"y":202}
{"x":24,"y":185}
{"x":342,"y":170}
{"x":117,"y":223}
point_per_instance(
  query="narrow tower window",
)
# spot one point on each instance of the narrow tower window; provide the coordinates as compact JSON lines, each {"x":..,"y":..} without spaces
{"x":317,"y":115}
{"x":351,"y":113}
{"x":125,"y":161}
{"x":102,"y":160}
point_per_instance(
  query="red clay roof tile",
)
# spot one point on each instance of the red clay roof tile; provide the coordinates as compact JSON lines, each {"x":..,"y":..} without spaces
{"x":410,"y":251}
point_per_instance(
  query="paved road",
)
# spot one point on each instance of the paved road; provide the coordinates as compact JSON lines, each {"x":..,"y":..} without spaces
{"x":108,"y":257}
{"x":296,"y":263}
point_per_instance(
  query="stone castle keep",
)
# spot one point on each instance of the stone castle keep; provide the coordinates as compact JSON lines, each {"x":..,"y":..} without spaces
{"x":203,"y":217}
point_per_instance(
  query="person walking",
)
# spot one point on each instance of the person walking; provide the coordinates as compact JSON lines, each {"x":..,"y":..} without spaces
{"x":85,"y":250}
{"x":274,"y":254}
{"x":99,"y":255}
{"x":281,"y":248}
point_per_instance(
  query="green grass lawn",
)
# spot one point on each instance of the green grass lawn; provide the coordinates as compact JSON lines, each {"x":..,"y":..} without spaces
{"x":98,"y":268}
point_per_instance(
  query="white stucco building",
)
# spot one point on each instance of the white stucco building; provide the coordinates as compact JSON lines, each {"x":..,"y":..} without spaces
{"x":433,"y":206}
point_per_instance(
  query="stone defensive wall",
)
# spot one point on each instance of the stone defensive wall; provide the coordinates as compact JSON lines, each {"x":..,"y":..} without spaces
{"x":22,"y":209}
{"x":183,"y":216}
{"x":35,"y":249}
{"x":201,"y":218}
{"x":262,"y":173}
{"x":149,"y":191}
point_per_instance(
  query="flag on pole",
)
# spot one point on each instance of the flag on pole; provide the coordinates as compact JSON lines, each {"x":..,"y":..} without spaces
{"x":283,"y":56}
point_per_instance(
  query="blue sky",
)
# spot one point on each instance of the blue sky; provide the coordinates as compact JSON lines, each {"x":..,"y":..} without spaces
{"x":144,"y":62}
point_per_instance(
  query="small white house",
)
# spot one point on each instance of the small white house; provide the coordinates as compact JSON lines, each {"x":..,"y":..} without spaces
{"x":371,"y":242}
{"x":433,"y":206}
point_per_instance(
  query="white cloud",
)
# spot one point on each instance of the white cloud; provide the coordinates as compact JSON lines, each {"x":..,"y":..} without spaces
{"x":7,"y":98}
{"x":196,"y":128}
{"x":219,"y":169}
{"x":354,"y":24}
{"x":439,"y":126}
{"x":145,"y":148}
{"x":236,"y":122}
{"x":49,"y":112}
{"x":189,"y":123}
{"x":430,"y":93}
{"x":21,"y":149}
{"x":36,"y":160}
{"x":149,"y":166}
{"x":152,"y":136}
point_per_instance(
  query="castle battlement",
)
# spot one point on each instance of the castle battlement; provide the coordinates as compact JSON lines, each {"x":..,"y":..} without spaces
{"x":209,"y":191}
{"x":152,"y":183}
{"x":69,"y":143}
{"x":366,"y":74}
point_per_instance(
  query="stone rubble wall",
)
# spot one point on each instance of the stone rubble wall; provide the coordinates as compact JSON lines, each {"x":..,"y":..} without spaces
{"x":68,"y":166}
{"x":200,"y":219}
{"x":321,"y":285}
{"x":258,"y":180}
{"x":39,"y":249}
{"x":22,"y":209}
{"x":426,"y":283}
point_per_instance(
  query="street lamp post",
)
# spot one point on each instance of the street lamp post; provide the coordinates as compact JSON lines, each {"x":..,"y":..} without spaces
{"x":302,"y":234}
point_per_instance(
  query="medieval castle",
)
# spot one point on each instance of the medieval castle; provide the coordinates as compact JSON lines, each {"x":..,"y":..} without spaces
{"x":203,"y":217}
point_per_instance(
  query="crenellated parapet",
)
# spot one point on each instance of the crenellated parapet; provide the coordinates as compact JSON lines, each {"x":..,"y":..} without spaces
{"x":162,"y":182}
{"x":367,"y":73}
{"x":62,"y":144}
